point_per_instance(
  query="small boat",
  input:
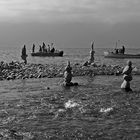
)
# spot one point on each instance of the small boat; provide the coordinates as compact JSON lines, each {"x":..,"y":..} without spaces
{"x":49,"y":54}
{"x":108,"y":54}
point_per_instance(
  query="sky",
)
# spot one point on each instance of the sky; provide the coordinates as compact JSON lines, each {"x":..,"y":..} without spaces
{"x":70,"y":23}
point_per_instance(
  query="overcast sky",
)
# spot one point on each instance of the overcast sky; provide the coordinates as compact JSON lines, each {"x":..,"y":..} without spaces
{"x":70,"y":23}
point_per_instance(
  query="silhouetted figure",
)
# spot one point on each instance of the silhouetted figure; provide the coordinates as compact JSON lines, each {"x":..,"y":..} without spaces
{"x":120,"y":51}
{"x":24,"y":55}
{"x":116,"y":51}
{"x":43,"y":47}
{"x":123,"y":49}
{"x":33,"y":49}
{"x":48,"y":48}
{"x":127,"y":76}
{"x":44,"y":44}
{"x":40,"y":48}
{"x":52,"y":50}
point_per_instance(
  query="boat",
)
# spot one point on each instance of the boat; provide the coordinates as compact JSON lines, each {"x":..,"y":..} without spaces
{"x":108,"y":54}
{"x":49,"y":54}
{"x":119,"y":53}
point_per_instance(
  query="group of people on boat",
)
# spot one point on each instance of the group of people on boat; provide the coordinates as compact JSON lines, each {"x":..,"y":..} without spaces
{"x":45,"y":49}
{"x":120,"y":51}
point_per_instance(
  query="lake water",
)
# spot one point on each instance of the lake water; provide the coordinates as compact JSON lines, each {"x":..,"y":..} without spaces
{"x":96,"y":109}
{"x":42,"y":109}
{"x":75,"y":55}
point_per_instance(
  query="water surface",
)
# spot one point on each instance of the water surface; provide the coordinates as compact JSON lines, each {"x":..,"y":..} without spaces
{"x":36,"y":109}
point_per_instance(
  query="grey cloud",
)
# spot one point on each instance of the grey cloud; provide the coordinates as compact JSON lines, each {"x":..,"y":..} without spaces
{"x":111,"y":11}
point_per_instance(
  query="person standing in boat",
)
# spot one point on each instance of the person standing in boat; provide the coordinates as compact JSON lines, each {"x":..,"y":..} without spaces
{"x":40,"y":48}
{"x":43,"y":47}
{"x":53,"y":50}
{"x":33,"y":49}
{"x":116,"y":51}
{"x":48,"y":48}
{"x":123,"y":49}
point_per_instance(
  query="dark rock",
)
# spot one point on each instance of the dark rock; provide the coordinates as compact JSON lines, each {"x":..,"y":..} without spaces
{"x":86,"y":63}
{"x":69,"y":84}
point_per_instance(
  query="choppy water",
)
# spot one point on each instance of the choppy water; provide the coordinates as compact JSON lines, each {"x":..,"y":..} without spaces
{"x":96,"y":109}
{"x":41,"y":109}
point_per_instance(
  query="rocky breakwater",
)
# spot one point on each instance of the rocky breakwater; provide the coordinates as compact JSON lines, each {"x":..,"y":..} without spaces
{"x":17,"y":70}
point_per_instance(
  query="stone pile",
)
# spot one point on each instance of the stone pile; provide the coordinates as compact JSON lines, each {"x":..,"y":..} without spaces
{"x":24,"y":55}
{"x":68,"y":76}
{"x":17,"y":70}
{"x":91,"y":57}
{"x":127,"y":76}
{"x":92,"y":52}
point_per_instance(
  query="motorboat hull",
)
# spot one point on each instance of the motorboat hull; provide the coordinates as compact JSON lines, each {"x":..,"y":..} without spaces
{"x":46,"y":54}
{"x":113,"y":55}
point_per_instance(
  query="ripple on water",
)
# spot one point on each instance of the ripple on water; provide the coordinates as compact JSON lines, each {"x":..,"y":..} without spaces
{"x":92,"y":110}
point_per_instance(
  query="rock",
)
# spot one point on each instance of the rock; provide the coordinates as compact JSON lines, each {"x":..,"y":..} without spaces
{"x":67,"y":73}
{"x":86,"y":63}
{"x":40,"y":75}
{"x":68,"y":76}
{"x":103,"y":65}
{"x":9,"y":78}
{"x":76,"y":64}
{"x":71,"y":104}
{"x":127,"y":76}
{"x":135,"y":69}
{"x":69,"y":84}
{"x":31,"y":76}
{"x":126,"y":86}
{"x":92,"y":52}
{"x":117,"y":73}
{"x":17,"y":70}
{"x":93,"y":64}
